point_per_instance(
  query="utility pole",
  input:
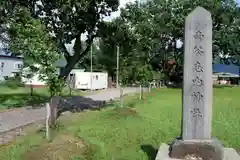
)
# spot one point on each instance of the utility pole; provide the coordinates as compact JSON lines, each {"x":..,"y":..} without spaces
{"x":91,"y":52}
{"x":117,"y":76}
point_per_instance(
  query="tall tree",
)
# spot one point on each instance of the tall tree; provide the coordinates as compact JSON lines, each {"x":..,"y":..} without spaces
{"x":67,"y":21}
{"x":132,"y":65}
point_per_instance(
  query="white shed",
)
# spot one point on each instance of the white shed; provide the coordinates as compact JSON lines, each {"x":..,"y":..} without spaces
{"x":88,"y":80}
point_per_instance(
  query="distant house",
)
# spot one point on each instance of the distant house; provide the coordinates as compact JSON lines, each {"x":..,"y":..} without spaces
{"x":12,"y":65}
{"x":9,"y":66}
{"x":35,"y":81}
{"x":226,"y":74}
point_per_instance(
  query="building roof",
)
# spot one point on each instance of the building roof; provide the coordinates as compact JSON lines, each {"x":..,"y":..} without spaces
{"x":10,"y":57}
{"x":229,"y":75}
{"x":59,"y":63}
{"x":224,"y":68}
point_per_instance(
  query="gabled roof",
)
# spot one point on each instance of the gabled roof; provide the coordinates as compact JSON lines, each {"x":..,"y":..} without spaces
{"x":59,"y":63}
{"x":224,"y":68}
{"x":10,"y":57}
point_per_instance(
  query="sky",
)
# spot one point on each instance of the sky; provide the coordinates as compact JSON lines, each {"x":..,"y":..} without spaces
{"x":116,"y":14}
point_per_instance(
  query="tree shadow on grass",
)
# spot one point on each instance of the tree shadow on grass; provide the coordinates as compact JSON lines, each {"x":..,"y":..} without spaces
{"x":66,"y":103}
{"x":19,"y":100}
{"x":150,"y":151}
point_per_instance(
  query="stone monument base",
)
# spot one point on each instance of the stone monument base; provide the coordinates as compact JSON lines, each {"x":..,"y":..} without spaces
{"x":211,"y":149}
{"x":164,"y":153}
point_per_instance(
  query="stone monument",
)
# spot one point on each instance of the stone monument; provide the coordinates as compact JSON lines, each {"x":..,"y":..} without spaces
{"x":196,"y":140}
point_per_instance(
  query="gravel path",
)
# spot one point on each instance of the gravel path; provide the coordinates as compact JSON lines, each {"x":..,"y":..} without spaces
{"x":17,"y":118}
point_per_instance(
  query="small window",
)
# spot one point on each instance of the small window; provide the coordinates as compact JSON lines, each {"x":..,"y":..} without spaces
{"x":18,"y":66}
{"x":96,"y":77}
{"x":2,"y":64}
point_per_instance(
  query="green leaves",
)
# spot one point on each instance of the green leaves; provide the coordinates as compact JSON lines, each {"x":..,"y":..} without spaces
{"x":31,"y":39}
{"x":153,"y":29}
{"x":157,"y":25}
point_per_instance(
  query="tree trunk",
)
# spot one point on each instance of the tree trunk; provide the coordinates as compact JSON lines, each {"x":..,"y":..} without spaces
{"x":54,"y":102}
{"x":72,"y":60}
{"x":64,"y":72}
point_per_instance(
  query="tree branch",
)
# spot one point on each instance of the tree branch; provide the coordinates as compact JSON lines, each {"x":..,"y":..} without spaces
{"x":76,"y":57}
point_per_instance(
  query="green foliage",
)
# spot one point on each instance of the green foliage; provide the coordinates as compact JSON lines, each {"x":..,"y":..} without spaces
{"x":118,"y":34}
{"x":222,"y":86}
{"x":13,"y":82}
{"x":75,"y":18}
{"x":67,"y":21}
{"x":147,"y":35}
{"x":30,"y":38}
{"x":141,"y":74}
{"x":157,"y":25}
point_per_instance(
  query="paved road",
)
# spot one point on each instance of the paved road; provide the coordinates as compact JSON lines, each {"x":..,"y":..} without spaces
{"x":17,"y":118}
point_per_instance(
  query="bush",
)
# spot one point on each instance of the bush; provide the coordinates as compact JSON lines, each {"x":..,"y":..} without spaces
{"x":222,"y":85}
{"x":13,"y":82}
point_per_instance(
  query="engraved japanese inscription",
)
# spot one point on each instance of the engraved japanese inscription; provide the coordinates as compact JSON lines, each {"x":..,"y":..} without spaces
{"x":197,"y":81}
{"x":198,"y":67}
{"x":198,"y":50}
{"x":196,"y":113}
{"x":197,"y":86}
{"x":198,"y":35}
{"x":197,"y":96}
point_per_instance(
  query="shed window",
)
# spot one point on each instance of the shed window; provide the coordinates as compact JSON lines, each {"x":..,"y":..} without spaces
{"x":18,"y":66}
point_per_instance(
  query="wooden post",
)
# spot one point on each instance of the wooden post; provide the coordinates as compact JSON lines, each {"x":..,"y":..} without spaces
{"x":31,"y":89}
{"x":48,"y":114}
{"x":140,"y":92}
{"x":69,"y":86}
{"x":91,"y":69}
{"x":117,"y":76}
{"x":149,"y":87}
{"x":121,"y":97}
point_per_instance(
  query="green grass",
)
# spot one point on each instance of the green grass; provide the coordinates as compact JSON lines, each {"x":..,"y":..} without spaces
{"x":21,"y":96}
{"x":121,"y":134}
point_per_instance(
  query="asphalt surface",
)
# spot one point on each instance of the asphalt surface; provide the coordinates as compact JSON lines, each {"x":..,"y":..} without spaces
{"x":24,"y":116}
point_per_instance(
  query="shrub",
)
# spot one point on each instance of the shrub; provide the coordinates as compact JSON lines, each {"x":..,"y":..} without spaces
{"x":14,"y":82}
{"x":222,"y":85}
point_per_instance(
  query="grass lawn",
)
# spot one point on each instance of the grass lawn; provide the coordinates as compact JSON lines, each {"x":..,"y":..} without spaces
{"x":124,"y":134}
{"x":20,"y":97}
